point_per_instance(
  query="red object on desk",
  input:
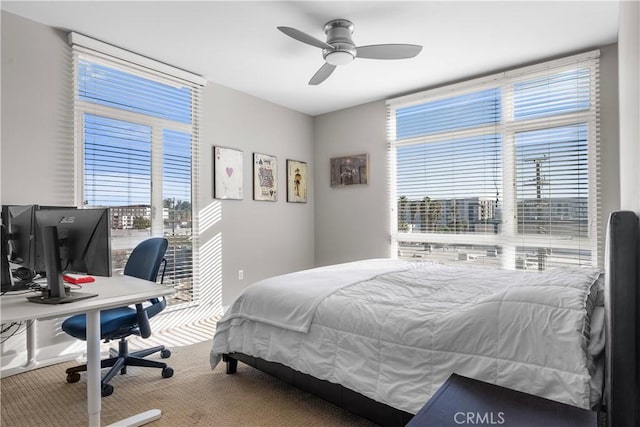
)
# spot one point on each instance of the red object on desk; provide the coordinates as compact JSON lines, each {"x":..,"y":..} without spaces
{"x":78,"y":279}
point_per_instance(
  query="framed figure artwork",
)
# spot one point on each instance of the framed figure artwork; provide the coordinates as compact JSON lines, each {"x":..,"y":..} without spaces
{"x":349,"y":170}
{"x":296,"y":181}
{"x":265,"y":177}
{"x":227,"y":173}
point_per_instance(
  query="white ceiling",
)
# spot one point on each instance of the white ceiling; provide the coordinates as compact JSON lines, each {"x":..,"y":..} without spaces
{"x":236,"y":44}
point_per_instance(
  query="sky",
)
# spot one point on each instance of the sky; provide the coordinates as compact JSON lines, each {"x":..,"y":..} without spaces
{"x":119,"y":153}
{"x":471,"y":162}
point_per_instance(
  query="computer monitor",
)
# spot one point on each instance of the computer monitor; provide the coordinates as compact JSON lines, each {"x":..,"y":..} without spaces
{"x":24,"y":244}
{"x":79,"y":241}
{"x":84,"y":236}
{"x":7,"y":280}
{"x":19,"y":223}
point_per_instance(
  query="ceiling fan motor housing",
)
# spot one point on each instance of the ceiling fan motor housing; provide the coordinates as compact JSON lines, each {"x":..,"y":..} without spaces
{"x":338,"y":33}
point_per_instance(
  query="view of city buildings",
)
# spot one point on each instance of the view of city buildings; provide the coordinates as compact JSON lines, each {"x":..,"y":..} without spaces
{"x":132,"y":223}
{"x":484,"y":215}
{"x":471,"y":214}
{"x":562,"y":217}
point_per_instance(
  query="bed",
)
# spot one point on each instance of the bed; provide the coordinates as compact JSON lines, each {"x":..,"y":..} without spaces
{"x":378,"y":337}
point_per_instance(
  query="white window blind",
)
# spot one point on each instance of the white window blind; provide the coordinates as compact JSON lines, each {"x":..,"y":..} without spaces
{"x":501,"y":171}
{"x":137,"y":152}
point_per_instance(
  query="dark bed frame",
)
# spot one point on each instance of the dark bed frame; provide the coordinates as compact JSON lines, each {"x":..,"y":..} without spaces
{"x":622,"y":356}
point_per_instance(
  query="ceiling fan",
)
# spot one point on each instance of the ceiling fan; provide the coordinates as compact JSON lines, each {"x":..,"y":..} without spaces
{"x":339,"y":48}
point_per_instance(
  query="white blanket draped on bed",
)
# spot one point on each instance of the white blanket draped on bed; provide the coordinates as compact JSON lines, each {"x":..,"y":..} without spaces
{"x":289,"y":301}
{"x":395,"y":330}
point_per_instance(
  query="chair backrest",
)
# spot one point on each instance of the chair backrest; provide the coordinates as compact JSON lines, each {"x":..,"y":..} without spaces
{"x":146,"y":258}
{"x":144,"y":263}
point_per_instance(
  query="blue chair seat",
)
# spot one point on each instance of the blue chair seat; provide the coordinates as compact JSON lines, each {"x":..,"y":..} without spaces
{"x":111,"y":321}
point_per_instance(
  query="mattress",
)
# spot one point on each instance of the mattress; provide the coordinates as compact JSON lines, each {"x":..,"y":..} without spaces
{"x":395,"y":330}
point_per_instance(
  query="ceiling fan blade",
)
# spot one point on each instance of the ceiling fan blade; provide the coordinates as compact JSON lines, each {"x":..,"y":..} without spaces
{"x":388,"y":51}
{"x":305,"y":38}
{"x":322,"y":74}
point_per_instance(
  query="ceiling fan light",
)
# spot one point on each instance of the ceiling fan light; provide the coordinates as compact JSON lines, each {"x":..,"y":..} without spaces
{"x":339,"y":57}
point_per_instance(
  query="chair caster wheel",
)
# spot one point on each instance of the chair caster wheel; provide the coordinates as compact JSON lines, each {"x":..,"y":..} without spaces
{"x":165,"y":353}
{"x":73,"y":377}
{"x":107,"y":390}
{"x":167,"y":372}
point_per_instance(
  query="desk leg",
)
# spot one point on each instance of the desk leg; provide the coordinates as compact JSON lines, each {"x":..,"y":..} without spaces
{"x":32,"y":361}
{"x":94,"y":392}
{"x":94,"y":389}
{"x":31,"y":344}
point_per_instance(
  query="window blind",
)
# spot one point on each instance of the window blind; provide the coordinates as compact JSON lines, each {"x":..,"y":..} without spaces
{"x":501,"y":171}
{"x":137,"y":151}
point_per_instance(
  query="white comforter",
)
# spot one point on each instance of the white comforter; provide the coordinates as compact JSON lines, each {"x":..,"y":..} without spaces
{"x":395,"y":330}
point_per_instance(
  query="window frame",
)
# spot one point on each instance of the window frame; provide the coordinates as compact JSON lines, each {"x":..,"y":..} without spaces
{"x":508,"y":238}
{"x":158,"y":126}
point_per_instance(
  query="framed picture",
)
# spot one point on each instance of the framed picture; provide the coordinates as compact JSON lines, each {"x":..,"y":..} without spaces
{"x":296,"y":181}
{"x":349,"y":170}
{"x":265,"y":177}
{"x":227,"y":173}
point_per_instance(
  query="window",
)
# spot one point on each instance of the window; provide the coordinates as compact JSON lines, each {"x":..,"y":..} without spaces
{"x":500,"y":171}
{"x":137,"y":139}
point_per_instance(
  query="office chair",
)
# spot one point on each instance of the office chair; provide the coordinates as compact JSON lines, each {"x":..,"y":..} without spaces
{"x":119,"y":323}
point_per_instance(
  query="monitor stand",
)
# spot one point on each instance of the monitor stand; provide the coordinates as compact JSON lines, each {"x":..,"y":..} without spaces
{"x":55,"y":292}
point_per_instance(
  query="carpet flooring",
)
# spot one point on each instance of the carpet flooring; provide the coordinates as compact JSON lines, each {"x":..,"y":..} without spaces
{"x":194,"y":396}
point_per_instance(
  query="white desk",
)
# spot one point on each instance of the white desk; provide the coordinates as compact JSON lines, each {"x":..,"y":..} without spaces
{"x":116,"y":291}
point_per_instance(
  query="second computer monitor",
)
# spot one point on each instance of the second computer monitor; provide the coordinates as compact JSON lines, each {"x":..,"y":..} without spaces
{"x":19,"y":221}
{"x":84,"y":236}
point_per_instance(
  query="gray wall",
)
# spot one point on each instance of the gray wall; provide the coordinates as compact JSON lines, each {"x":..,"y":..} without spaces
{"x":37,"y":135}
{"x":36,"y":140}
{"x":609,"y":135}
{"x":629,"y":51}
{"x":353,"y":222}
{"x":262,"y":238}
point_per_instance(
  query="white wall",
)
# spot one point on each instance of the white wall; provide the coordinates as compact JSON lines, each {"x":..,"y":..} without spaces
{"x":353,"y":222}
{"x":262,"y":238}
{"x":629,"y":51}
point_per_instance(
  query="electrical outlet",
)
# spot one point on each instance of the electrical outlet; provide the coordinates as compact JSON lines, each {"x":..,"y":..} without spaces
{"x":240,"y":274}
